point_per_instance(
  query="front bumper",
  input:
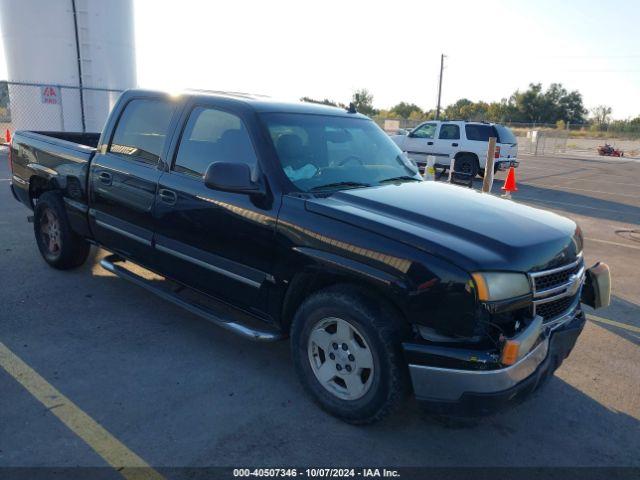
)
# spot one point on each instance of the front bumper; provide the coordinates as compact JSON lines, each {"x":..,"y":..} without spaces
{"x":479,"y":391}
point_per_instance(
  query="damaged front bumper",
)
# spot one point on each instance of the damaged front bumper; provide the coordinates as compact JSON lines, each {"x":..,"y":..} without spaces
{"x":480,"y":392}
{"x":460,"y":381}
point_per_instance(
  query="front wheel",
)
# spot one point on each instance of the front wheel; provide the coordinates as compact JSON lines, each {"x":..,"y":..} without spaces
{"x":347,"y":353}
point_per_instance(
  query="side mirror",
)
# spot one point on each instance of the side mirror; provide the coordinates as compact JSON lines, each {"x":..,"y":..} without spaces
{"x":230,"y":177}
{"x":410,"y":134}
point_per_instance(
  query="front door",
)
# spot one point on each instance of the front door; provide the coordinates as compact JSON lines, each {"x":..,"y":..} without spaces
{"x":221,"y":243}
{"x":123,"y":179}
{"x":420,"y":142}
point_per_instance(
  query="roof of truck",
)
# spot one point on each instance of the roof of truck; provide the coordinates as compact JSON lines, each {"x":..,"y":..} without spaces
{"x":264,"y":104}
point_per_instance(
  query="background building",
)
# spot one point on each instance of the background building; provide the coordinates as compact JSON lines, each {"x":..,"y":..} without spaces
{"x":67,"y":62}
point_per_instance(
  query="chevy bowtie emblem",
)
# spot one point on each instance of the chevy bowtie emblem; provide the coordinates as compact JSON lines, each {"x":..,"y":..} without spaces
{"x":574,"y":284}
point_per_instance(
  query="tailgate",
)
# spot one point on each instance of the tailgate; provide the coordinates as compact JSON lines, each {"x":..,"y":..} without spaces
{"x":508,"y":150}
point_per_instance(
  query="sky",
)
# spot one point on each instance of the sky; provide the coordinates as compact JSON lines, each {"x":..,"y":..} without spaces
{"x":328,"y":49}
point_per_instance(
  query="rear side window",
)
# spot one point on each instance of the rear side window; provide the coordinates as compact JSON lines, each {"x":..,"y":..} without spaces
{"x":213,"y":136}
{"x":480,"y":133}
{"x":142,"y":130}
{"x":449,"y":131}
{"x":428,"y":130}
{"x":505,"y":135}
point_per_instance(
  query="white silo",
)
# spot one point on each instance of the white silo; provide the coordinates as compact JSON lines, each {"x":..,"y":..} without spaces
{"x":73,"y":43}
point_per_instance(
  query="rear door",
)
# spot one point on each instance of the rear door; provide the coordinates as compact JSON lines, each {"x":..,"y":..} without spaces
{"x":220,"y":243}
{"x":478,"y":135}
{"x":124,"y":175}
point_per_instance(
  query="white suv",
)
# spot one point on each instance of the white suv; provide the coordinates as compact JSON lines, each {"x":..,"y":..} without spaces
{"x":467,"y":142}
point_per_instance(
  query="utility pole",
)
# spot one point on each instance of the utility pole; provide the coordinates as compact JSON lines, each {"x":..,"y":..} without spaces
{"x":440,"y":86}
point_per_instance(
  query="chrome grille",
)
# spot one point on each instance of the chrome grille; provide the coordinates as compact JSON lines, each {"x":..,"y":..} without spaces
{"x":557,"y":290}
{"x":550,"y":310}
{"x":555,"y":279}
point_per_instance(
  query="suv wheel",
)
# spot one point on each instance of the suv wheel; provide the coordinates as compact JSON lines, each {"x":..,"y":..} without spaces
{"x":468,"y":164}
{"x":58,"y":244}
{"x":347,"y":353}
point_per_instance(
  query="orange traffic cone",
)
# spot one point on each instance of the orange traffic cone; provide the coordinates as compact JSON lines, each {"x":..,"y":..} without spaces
{"x":510,"y":183}
{"x":7,"y":136}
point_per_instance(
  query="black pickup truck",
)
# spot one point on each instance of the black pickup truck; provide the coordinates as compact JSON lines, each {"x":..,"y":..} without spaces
{"x":278,"y":220}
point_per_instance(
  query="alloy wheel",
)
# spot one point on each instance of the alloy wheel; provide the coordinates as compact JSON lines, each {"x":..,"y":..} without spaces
{"x":340,"y":358}
{"x":50,"y":232}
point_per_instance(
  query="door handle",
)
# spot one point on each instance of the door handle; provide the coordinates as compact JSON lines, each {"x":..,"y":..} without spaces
{"x":105,"y":177}
{"x":168,"y":196}
{"x":454,"y":144}
{"x":429,"y":143}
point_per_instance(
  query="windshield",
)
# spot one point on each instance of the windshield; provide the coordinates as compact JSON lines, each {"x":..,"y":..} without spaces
{"x":319,"y":152}
{"x":505,"y":135}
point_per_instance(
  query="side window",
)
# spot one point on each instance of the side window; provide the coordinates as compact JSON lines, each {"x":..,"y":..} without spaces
{"x":479,"y":133}
{"x":142,"y":129}
{"x":449,"y":131}
{"x":213,"y":136}
{"x":428,"y":130}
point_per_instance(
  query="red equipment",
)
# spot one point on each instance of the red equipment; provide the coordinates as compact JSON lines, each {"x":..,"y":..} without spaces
{"x":608,"y":151}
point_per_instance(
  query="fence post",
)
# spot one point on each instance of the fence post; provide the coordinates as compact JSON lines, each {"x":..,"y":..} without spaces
{"x":487,"y":182}
{"x":61,"y":111}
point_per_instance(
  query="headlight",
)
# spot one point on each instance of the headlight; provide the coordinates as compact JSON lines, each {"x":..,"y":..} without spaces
{"x":493,"y":286}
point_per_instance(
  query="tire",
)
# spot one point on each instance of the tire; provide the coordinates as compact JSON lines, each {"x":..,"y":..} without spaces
{"x":466,"y":163}
{"x":377,"y":380}
{"x":58,"y":244}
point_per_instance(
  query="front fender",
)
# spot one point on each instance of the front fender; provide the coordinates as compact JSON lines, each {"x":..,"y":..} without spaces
{"x":427,"y":289}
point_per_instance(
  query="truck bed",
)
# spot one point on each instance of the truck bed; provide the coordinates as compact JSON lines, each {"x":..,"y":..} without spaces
{"x":54,"y":160}
{"x":78,"y":138}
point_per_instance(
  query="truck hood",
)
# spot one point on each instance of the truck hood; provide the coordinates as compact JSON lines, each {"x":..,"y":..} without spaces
{"x":474,"y":230}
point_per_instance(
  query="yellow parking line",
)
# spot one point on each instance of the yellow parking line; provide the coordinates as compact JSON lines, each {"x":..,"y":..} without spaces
{"x":114,"y":452}
{"x":631,"y":328}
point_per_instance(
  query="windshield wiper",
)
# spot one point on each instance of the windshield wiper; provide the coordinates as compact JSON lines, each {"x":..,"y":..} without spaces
{"x":340,"y":184}
{"x":400,"y":178}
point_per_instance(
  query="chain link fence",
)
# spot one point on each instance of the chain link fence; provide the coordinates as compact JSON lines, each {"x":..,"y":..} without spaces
{"x":67,"y":108}
{"x":543,"y":142}
{"x":550,"y":139}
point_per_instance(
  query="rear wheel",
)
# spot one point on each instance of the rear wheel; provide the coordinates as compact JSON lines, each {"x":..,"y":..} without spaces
{"x":467,"y":164}
{"x":347,"y":353}
{"x":58,"y":244}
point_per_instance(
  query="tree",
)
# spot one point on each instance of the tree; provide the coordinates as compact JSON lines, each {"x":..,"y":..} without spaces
{"x":406,"y":110}
{"x":529,"y":105}
{"x":571,"y":108}
{"x":500,"y":111}
{"x":363,"y":101}
{"x":556,"y":103}
{"x":455,"y":111}
{"x":417,"y":115}
{"x":601,"y":115}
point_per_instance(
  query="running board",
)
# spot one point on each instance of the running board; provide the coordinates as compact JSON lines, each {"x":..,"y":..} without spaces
{"x":221,"y":318}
